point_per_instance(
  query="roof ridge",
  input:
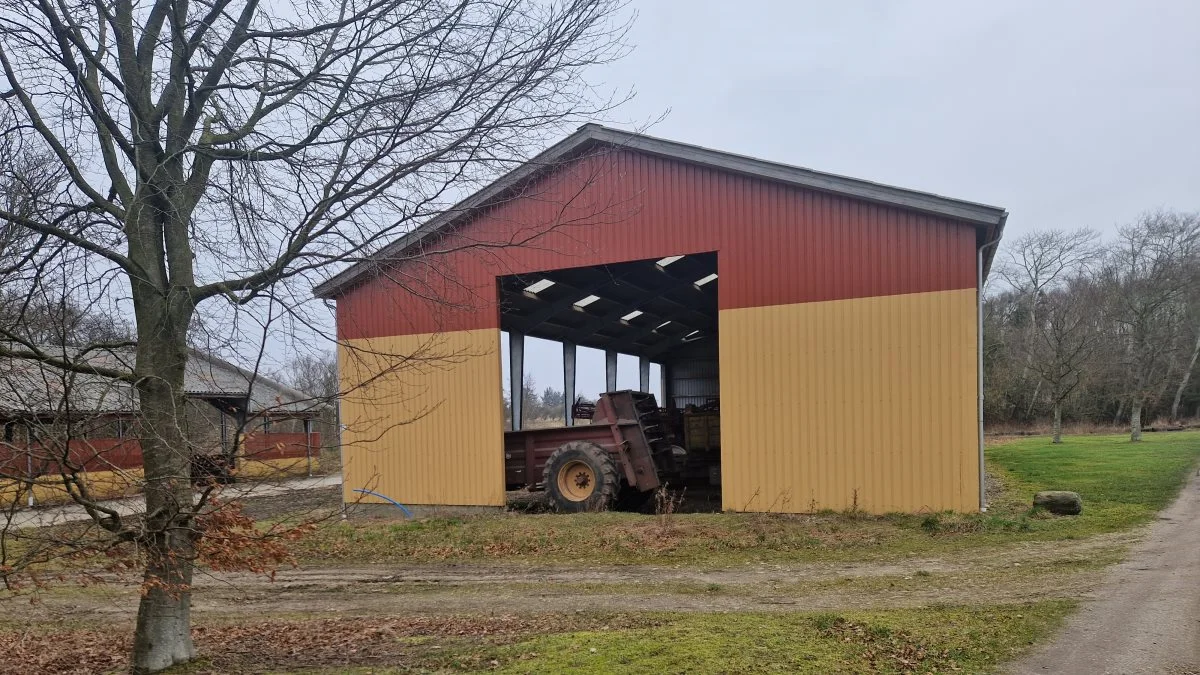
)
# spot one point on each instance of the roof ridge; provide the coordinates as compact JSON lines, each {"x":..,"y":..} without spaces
{"x":974,"y":213}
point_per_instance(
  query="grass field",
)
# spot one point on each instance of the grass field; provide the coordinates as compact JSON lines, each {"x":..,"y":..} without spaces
{"x":1123,"y":484}
{"x":931,"y":640}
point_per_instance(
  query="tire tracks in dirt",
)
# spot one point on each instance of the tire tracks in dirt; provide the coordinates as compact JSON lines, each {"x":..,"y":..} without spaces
{"x":1024,"y":572}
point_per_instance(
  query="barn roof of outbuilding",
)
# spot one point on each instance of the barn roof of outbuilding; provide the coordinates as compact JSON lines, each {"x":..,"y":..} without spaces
{"x":31,"y":387}
{"x":988,"y":220}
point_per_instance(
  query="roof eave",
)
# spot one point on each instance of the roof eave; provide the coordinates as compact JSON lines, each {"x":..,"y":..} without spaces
{"x":526,"y":170}
{"x":992,"y":236}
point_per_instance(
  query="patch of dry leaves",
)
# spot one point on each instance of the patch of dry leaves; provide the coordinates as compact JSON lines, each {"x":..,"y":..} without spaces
{"x":289,"y":643}
{"x":75,"y":651}
{"x":892,"y":651}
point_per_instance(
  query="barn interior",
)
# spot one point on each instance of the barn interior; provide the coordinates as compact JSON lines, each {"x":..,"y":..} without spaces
{"x":660,"y":311}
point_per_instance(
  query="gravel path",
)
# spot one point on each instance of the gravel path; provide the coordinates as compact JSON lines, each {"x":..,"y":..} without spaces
{"x":57,"y":515}
{"x":1145,"y":616}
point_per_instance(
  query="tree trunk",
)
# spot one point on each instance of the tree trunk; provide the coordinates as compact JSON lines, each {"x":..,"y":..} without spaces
{"x":1135,"y":419}
{"x":1033,"y":400}
{"x":1058,"y":422}
{"x":1183,"y":382}
{"x":162,"y":636}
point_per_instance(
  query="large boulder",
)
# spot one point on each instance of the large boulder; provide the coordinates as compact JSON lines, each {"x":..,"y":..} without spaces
{"x":1059,"y":501}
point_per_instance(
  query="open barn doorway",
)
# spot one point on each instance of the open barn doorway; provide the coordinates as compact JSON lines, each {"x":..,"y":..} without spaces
{"x":656,"y":316}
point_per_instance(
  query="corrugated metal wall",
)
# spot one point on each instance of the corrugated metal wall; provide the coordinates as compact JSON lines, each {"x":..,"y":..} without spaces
{"x":776,"y":244}
{"x":694,"y":381}
{"x":868,"y":401}
{"x":426,"y":428}
{"x":846,"y":334}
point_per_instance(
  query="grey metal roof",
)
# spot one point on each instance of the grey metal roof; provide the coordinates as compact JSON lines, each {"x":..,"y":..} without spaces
{"x":33,"y":387}
{"x":989,"y":219}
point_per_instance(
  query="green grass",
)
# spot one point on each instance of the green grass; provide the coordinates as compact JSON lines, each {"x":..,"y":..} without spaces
{"x":941,"y":639}
{"x":934,"y":639}
{"x":1123,"y":484}
{"x":925,"y":640}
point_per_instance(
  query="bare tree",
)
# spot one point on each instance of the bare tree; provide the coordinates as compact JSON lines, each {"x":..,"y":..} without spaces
{"x":1041,"y":260}
{"x":1149,"y":271}
{"x":27,"y":180}
{"x":315,"y":374}
{"x":1033,"y":266}
{"x":1065,"y":337}
{"x":1192,"y":302}
{"x":219,"y":154}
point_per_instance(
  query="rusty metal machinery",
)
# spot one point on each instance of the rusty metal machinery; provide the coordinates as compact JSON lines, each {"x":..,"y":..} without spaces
{"x":628,"y":445}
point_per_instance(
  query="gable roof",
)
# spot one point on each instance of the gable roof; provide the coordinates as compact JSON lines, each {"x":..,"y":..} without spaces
{"x":33,"y":387}
{"x":989,"y":220}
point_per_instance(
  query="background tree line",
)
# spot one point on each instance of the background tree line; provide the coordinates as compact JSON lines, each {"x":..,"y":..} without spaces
{"x":1102,"y":332}
{"x":542,"y":408}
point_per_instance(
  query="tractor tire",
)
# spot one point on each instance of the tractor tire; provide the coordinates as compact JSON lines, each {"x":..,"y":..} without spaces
{"x":581,"y":476}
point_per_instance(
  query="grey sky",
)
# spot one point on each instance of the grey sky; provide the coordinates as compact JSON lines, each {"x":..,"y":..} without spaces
{"x":1068,"y":114}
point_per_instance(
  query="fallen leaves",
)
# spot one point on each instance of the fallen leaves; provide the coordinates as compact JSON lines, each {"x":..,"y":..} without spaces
{"x":886,"y":650}
{"x":76,"y":651}
{"x":290,"y":643}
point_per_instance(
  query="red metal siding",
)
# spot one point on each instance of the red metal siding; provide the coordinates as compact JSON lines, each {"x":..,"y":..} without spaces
{"x":96,"y":454}
{"x":106,"y":454}
{"x":776,"y":244}
{"x":275,"y":445}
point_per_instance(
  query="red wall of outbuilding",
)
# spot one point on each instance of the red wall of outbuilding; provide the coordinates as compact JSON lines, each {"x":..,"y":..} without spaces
{"x":776,"y":244}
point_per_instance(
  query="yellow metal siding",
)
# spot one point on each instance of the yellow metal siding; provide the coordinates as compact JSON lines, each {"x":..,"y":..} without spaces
{"x":428,"y":431}
{"x":869,"y":401}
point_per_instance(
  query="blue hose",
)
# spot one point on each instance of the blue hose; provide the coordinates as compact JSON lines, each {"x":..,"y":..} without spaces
{"x":393,"y":501}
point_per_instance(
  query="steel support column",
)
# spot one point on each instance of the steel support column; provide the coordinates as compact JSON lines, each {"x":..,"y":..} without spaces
{"x":569,"y":382}
{"x":308,"y":444}
{"x":643,"y":373}
{"x":516,"y":377}
{"x":665,"y":373}
{"x":30,"y":438}
{"x":610,"y":370}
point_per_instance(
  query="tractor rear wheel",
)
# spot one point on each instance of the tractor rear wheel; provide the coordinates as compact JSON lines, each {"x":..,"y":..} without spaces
{"x":581,"y":476}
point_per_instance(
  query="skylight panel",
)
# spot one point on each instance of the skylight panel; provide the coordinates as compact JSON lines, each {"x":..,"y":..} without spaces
{"x":539,"y":286}
{"x":585,"y":301}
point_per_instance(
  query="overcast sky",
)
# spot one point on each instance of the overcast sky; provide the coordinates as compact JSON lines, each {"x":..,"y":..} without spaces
{"x":1068,"y":114}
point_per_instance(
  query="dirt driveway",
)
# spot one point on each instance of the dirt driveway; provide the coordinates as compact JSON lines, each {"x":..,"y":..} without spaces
{"x":1026,"y":573}
{"x":1145,"y":615}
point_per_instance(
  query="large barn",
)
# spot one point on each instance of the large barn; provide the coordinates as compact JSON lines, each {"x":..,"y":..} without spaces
{"x":820,"y":331}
